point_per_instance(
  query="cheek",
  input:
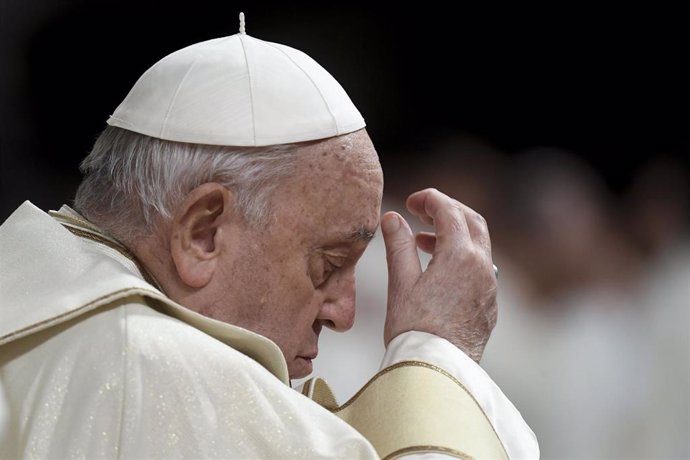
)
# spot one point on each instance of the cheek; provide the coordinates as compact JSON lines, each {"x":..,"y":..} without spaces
{"x":290,"y":312}
{"x":281,"y":294}
{"x":295,"y":294}
{"x":247,"y":286}
{"x":269,"y":288}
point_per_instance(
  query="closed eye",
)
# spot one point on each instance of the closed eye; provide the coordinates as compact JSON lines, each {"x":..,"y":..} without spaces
{"x":330,"y":262}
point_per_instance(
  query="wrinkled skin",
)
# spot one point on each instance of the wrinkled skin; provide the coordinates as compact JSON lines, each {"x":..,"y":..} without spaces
{"x":455,"y":298}
{"x":290,"y":281}
{"x":292,"y":278}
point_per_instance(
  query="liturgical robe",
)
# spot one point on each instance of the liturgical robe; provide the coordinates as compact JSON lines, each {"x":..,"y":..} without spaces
{"x":96,"y":362}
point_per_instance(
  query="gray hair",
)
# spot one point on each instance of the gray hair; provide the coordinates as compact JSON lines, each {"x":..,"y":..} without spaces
{"x":133,"y":181}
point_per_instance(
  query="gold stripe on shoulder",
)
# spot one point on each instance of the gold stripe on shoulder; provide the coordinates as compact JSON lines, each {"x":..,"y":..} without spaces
{"x":73,"y":219}
{"x":117,"y":247}
{"x":72,"y":313}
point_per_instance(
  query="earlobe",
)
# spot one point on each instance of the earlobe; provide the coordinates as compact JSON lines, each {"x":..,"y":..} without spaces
{"x":197,"y":230}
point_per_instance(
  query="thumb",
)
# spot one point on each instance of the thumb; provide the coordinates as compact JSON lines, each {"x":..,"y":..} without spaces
{"x":404,"y":267}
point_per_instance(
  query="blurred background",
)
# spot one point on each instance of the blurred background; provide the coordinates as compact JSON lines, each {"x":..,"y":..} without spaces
{"x":566,"y":127}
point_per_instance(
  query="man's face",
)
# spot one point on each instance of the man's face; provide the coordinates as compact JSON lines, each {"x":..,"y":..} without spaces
{"x":297,"y":275}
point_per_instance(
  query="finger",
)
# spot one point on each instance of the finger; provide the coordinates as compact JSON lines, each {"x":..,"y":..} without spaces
{"x":479,"y":230}
{"x":426,"y":242}
{"x":420,"y":212}
{"x":404,"y":267}
{"x":424,"y":217}
{"x":446,"y":214}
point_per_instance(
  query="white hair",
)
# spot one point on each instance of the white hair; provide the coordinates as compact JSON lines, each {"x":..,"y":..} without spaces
{"x":133,"y":181}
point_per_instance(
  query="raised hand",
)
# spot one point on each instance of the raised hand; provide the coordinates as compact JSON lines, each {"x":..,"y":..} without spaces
{"x":455,"y":298}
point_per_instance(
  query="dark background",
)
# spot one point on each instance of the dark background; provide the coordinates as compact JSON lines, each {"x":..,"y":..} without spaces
{"x":609,"y":85}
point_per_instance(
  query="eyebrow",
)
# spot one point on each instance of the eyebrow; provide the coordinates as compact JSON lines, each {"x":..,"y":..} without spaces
{"x":362,"y":234}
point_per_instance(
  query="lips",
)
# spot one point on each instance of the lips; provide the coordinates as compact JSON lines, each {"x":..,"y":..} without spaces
{"x":311,"y":355}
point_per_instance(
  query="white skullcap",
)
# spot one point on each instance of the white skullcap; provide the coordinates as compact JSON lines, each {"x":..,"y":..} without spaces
{"x":237,"y":90}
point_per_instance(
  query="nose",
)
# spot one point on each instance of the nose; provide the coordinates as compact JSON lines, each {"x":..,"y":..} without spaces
{"x":338,"y":309}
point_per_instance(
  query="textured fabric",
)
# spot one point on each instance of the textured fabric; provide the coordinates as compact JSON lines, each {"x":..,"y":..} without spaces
{"x":48,"y":275}
{"x":517,"y":437}
{"x":95,"y":362}
{"x":128,"y":381}
{"x":237,"y":90}
{"x":122,"y":379}
{"x":413,"y":406}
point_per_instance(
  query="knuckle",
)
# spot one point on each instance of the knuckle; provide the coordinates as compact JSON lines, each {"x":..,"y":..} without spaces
{"x":455,"y":223}
{"x":456,"y":205}
{"x":481,"y":220}
{"x":475,"y":255}
{"x":439,"y":196}
{"x":430,"y":193}
{"x":475,"y":216}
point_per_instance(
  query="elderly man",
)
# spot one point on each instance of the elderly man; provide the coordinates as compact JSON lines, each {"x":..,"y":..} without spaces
{"x":214,"y":235}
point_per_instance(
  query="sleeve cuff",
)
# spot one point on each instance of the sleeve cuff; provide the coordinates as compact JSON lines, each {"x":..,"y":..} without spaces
{"x":517,"y":437}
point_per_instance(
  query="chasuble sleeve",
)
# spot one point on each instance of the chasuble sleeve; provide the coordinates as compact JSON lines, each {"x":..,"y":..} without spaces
{"x":430,"y":400}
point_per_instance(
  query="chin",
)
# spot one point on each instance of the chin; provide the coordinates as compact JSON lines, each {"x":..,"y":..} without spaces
{"x":300,"y":367}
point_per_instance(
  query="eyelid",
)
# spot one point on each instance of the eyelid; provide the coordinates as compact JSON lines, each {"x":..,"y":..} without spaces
{"x":328,"y":268}
{"x":333,"y":254}
{"x":337,"y":260}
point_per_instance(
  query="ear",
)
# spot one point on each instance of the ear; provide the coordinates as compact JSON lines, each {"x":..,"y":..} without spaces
{"x":197,"y":229}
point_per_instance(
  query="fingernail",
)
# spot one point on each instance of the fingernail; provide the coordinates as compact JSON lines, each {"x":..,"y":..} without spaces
{"x":391,"y":224}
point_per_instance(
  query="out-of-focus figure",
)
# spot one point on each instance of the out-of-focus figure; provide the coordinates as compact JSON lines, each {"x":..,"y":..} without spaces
{"x":658,"y":212}
{"x":592,"y":335}
{"x":592,"y":345}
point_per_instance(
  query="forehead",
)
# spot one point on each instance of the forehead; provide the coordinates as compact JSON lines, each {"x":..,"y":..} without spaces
{"x":336,"y":190}
{"x":350,"y":155}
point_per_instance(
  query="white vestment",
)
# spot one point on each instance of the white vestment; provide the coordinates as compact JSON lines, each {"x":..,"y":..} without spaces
{"x":96,"y":362}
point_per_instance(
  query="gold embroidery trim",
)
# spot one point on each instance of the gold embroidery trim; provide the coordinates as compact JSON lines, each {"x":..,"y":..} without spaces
{"x":428,"y":449}
{"x":428,"y":366}
{"x":119,"y":248}
{"x":72,"y":313}
{"x":73,"y":220}
{"x":396,"y":366}
{"x":306,"y":388}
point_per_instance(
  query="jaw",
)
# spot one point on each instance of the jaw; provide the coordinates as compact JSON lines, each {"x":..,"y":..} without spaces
{"x":300,"y":367}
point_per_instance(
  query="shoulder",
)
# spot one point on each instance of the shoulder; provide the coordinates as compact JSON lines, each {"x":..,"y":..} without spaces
{"x":161,"y":344}
{"x":150,"y":385}
{"x":211,"y":400}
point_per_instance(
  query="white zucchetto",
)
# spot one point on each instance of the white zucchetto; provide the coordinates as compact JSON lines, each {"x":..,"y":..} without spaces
{"x":239,"y":91}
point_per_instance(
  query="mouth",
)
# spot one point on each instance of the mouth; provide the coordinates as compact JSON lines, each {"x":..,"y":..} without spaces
{"x":307,"y":359}
{"x":314,"y":351}
{"x":304,"y":366}
{"x":310,"y":356}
